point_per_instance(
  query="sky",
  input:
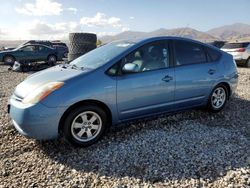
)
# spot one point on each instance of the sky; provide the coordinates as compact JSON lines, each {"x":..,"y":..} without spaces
{"x":54,"y":19}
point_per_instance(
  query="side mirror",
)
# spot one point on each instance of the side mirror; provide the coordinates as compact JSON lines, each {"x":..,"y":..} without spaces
{"x":130,"y":68}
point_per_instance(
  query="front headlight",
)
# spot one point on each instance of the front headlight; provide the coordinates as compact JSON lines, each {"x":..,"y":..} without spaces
{"x":41,"y":92}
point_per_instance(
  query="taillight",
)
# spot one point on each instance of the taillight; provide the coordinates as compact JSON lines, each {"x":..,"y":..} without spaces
{"x":240,"y":50}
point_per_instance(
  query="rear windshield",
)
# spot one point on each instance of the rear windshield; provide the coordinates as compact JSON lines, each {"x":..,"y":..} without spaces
{"x":235,"y":45}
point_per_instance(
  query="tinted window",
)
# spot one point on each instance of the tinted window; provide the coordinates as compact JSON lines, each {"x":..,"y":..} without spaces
{"x":151,"y":56}
{"x":213,"y":54}
{"x":40,"y":48}
{"x":29,"y":48}
{"x":236,"y":45}
{"x":189,"y":53}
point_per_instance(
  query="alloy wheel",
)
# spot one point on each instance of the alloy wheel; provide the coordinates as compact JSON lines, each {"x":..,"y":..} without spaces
{"x":218,"y":98}
{"x":86,"y":126}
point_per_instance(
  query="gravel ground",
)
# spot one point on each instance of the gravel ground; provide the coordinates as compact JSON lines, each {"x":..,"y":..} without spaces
{"x":190,"y":149}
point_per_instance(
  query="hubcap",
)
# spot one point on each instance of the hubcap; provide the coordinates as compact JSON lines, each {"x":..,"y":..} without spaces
{"x":52,"y":59}
{"x":218,"y":97}
{"x":8,"y":60}
{"x":86,"y":126}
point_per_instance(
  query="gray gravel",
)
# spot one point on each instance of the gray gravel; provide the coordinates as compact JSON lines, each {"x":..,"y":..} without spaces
{"x":190,"y":149}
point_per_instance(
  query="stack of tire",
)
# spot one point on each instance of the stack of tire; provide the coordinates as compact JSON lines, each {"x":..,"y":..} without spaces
{"x":80,"y":44}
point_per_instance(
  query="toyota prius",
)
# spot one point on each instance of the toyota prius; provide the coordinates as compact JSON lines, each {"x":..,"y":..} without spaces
{"x":119,"y":82}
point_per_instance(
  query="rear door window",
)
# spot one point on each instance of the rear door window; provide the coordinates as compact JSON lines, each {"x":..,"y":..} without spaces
{"x":189,"y":53}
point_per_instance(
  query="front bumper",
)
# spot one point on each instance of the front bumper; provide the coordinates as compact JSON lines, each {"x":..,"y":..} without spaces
{"x":36,"y":121}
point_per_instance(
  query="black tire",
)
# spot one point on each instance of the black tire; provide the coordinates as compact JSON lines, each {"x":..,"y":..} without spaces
{"x":248,"y":63}
{"x":75,"y":48}
{"x":210,"y":105}
{"x":68,"y":123}
{"x":52,"y":60}
{"x":9,"y":59}
{"x":65,"y":55}
{"x":72,"y":57}
{"x":82,"y":38}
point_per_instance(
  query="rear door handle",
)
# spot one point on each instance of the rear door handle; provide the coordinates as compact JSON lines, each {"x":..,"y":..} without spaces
{"x":167,"y":78}
{"x":211,"y":71}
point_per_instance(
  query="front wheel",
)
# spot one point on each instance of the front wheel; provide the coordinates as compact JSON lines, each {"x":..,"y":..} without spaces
{"x":218,"y":98}
{"x":9,"y":59}
{"x":85,"y":125}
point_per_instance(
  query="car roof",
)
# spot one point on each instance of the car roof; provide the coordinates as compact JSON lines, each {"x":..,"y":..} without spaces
{"x":152,"y":39}
{"x":37,"y":45}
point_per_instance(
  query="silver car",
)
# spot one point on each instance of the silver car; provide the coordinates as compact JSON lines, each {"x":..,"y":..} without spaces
{"x":240,"y":52}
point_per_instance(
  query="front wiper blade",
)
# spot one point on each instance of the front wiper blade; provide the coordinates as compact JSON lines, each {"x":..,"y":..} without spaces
{"x":74,"y":66}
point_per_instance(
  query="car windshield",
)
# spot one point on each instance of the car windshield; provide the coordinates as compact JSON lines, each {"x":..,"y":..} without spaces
{"x":101,"y":55}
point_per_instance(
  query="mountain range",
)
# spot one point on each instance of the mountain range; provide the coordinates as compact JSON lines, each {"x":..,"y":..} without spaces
{"x":237,"y":31}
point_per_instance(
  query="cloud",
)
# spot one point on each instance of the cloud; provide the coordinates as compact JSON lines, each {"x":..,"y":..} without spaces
{"x":1,"y":32}
{"x":72,"y":9}
{"x":101,"y":20}
{"x":56,"y":31}
{"x":44,"y":29}
{"x":125,"y":29}
{"x":38,"y":30}
{"x":131,"y":17}
{"x":41,"y":8}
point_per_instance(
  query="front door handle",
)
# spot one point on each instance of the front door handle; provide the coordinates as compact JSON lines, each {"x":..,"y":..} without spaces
{"x":167,"y":78}
{"x":211,"y":71}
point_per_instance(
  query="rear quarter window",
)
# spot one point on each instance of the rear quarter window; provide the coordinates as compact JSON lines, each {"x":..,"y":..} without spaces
{"x":213,"y":55}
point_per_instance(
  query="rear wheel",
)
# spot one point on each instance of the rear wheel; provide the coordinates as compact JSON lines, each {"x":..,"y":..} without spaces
{"x":51,"y":60}
{"x":218,"y":98}
{"x":248,"y":62}
{"x":85,"y":125}
{"x":9,"y":59}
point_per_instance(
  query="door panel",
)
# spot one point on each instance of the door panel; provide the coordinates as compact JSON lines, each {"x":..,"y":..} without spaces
{"x":42,"y":53}
{"x":145,"y":93}
{"x":150,"y":88}
{"x":193,"y":84}
{"x":27,"y":53}
{"x":194,"y":74}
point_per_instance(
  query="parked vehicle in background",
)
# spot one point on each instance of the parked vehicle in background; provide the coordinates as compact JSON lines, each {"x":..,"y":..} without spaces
{"x":62,"y":51}
{"x":240,"y":52}
{"x":58,"y":43}
{"x":119,"y":82}
{"x":61,"y":47}
{"x":45,"y":42}
{"x":217,"y":43}
{"x":30,"y":52}
{"x":42,"y":42}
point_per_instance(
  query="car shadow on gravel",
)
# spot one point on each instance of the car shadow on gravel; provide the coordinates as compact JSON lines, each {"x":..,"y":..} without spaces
{"x":195,"y":144}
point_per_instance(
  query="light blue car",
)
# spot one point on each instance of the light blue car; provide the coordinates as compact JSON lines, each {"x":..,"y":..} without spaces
{"x":119,"y":82}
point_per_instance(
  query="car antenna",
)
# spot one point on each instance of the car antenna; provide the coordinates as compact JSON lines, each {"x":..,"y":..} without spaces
{"x":181,"y":33}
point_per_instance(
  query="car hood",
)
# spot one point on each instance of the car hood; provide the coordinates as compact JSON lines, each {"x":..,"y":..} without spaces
{"x":8,"y":51}
{"x":3,"y":52}
{"x":57,"y":73}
